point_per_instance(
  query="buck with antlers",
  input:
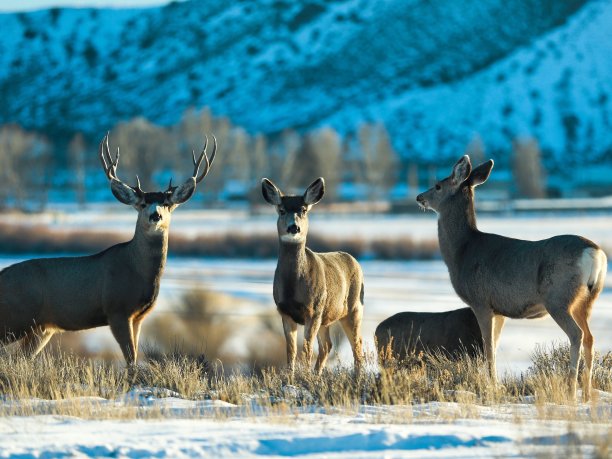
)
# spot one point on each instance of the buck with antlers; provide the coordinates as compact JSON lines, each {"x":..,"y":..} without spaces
{"x":313,"y":289}
{"x":116,"y":287}
{"x":501,"y":277}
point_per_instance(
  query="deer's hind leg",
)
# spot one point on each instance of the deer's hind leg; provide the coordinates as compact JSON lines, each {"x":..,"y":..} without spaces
{"x":351,"y":324}
{"x":559,"y":306}
{"x":581,"y":313}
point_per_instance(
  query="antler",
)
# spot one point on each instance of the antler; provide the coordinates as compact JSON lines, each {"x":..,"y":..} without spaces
{"x":204,"y":155}
{"x":110,"y":166}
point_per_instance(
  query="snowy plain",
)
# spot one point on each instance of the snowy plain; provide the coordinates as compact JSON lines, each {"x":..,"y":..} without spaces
{"x":216,"y":429}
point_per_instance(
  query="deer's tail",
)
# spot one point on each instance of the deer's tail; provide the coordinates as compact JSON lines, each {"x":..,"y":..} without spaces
{"x":594,"y":267}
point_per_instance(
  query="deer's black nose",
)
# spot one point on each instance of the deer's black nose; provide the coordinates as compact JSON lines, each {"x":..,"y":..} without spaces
{"x":155,"y":217}
{"x":293,"y":229}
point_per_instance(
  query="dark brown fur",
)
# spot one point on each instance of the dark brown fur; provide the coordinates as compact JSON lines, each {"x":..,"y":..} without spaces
{"x":453,"y":333}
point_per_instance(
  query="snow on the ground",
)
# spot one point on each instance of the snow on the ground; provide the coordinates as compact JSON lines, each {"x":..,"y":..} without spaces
{"x":217,"y":430}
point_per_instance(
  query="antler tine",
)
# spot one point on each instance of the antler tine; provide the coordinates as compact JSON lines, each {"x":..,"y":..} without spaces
{"x":110,"y":166}
{"x":208,"y":162}
{"x":198,"y":162}
{"x":137,"y":188}
{"x":170,"y":187}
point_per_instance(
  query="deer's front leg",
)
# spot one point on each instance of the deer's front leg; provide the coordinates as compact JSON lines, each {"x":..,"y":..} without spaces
{"x":486,"y":322}
{"x":290,"y":329}
{"x":122,"y":329}
{"x":311,"y":329}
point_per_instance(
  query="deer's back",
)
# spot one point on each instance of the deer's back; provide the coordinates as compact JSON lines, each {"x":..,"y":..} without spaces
{"x":451,"y":332}
{"x":515,"y":276}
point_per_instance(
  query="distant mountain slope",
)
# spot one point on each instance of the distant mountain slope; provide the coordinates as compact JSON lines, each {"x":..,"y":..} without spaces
{"x":434,"y":72}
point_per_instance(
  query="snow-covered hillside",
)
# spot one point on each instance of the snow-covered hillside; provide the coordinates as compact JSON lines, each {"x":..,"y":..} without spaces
{"x":435,"y":73}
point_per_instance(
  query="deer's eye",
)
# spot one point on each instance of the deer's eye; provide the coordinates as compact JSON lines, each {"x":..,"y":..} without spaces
{"x":281,"y":211}
{"x":438,"y":187}
{"x":303,"y":210}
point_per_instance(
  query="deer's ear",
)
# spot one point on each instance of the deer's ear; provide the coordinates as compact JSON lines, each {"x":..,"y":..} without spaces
{"x":461,"y":171}
{"x":315,"y":191}
{"x":183,"y":192}
{"x":125,"y":194}
{"x":270,"y":192}
{"x":481,"y":173}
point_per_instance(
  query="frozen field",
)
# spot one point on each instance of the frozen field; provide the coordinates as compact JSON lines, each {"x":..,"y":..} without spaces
{"x":217,"y":429}
{"x":390,"y":286}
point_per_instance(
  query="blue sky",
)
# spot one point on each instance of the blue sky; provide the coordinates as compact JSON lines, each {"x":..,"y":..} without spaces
{"x":27,"y":5}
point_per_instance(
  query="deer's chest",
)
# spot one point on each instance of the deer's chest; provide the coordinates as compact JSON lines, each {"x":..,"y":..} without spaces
{"x":294,"y":297}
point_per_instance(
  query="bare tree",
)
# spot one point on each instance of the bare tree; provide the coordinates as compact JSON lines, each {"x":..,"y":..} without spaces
{"x":76,"y":154}
{"x":527,"y":168}
{"x":24,"y":161}
{"x":379,"y":158}
{"x":147,"y":147}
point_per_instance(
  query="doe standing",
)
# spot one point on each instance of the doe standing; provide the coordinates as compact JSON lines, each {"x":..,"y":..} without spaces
{"x":501,"y":277}
{"x":313,"y":289}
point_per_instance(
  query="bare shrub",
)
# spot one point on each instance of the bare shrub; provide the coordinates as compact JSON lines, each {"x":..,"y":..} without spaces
{"x":195,"y":327}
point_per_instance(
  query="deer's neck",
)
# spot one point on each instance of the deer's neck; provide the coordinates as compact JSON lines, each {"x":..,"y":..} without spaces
{"x":292,"y":258}
{"x":456,"y":226}
{"x":149,"y":253}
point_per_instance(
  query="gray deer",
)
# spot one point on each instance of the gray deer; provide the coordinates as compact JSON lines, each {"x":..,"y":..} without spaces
{"x":452,"y":333}
{"x":116,"y":287}
{"x":313,"y":289}
{"x":501,"y":277}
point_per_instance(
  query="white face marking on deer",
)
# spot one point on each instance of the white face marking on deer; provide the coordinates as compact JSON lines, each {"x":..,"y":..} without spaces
{"x":292,"y":223}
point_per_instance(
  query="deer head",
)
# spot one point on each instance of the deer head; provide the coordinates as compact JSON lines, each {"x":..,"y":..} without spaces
{"x":154,"y":207}
{"x":292,"y":211}
{"x":460,"y":183}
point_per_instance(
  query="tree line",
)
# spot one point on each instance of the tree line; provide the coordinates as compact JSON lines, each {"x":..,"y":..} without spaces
{"x":363,"y":165}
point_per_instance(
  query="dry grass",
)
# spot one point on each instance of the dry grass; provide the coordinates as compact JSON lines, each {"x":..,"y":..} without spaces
{"x":17,"y":239}
{"x":66,"y":377}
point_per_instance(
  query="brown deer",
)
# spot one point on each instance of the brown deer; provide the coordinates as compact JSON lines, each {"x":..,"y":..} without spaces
{"x":313,"y":289}
{"x":116,"y":287}
{"x":501,"y":277}
{"x":453,"y":333}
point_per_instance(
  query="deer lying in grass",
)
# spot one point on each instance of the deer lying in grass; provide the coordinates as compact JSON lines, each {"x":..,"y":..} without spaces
{"x":501,"y":277}
{"x":453,"y":333}
{"x":116,"y":287}
{"x":313,"y":289}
